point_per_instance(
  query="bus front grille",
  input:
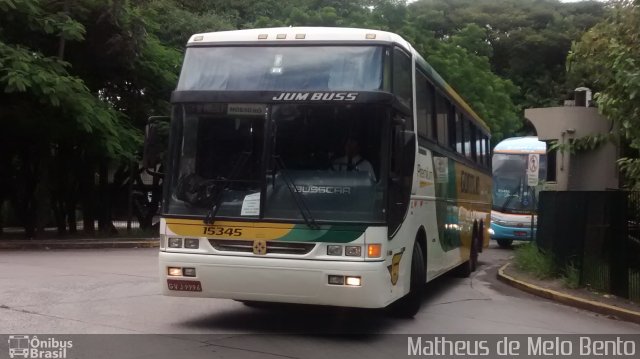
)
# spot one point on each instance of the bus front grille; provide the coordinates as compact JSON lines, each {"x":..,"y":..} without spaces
{"x":275,"y":247}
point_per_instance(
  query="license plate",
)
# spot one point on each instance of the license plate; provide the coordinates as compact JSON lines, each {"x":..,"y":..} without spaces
{"x":184,"y":285}
{"x":520,"y":233}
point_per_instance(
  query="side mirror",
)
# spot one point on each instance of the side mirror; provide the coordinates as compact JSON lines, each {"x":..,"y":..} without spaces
{"x":156,"y":141}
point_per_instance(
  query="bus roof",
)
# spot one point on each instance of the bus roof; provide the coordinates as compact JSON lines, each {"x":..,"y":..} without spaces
{"x":516,"y":145}
{"x":297,"y":35}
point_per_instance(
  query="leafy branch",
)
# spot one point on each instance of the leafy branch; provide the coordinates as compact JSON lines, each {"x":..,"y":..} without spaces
{"x":583,"y":144}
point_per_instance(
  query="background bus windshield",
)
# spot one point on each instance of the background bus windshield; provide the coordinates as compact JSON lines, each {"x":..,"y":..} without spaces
{"x":252,"y":68}
{"x":510,"y":191}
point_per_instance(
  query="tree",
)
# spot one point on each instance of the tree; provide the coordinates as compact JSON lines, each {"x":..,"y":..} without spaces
{"x":528,"y":39}
{"x":607,"y":59}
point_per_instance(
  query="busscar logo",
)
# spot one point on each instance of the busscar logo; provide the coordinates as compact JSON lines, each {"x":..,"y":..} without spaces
{"x":323,"y":189}
{"x":316,"y":96}
{"x":25,"y":346}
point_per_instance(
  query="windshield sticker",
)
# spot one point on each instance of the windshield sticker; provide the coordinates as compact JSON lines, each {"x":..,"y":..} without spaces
{"x":246,"y":109}
{"x":251,"y":205}
{"x":442,"y":169}
{"x":316,"y":96}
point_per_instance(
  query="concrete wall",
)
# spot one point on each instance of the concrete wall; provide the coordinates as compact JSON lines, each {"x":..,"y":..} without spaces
{"x":589,"y":170}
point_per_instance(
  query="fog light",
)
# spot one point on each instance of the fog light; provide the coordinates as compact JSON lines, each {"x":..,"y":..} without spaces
{"x":175,"y":242}
{"x":334,"y":250}
{"x":354,"y":281}
{"x":336,"y":279}
{"x":353,"y":251}
{"x":491,"y":231}
{"x":189,"y":272}
{"x":174,"y":271}
{"x":374,"y":250}
{"x":191,"y":243}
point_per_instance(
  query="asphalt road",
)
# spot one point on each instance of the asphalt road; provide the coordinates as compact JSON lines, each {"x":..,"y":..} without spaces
{"x":117,"y":292}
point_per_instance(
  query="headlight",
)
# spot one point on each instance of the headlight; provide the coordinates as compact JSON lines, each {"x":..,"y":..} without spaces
{"x":175,"y":242}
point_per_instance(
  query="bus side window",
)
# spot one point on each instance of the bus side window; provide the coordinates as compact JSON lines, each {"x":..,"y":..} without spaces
{"x":400,"y":173}
{"x":483,"y":149}
{"x":467,"y":137}
{"x":474,"y":142}
{"x":442,"y":113}
{"x":402,"y":85}
{"x":459,"y":134}
{"x":452,"y":125}
{"x":424,"y":104}
{"x":489,"y":157}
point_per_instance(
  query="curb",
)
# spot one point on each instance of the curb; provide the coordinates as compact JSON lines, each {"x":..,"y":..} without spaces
{"x":79,"y":244}
{"x":566,"y":299}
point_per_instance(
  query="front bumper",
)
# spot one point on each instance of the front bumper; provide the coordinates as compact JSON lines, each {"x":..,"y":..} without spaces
{"x":514,"y":233}
{"x":281,"y":280}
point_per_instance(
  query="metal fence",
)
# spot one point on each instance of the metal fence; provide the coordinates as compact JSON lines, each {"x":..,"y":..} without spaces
{"x":121,"y":201}
{"x":597,"y":232}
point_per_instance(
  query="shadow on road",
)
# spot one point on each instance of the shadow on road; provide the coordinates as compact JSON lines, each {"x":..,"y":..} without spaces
{"x":272,"y":318}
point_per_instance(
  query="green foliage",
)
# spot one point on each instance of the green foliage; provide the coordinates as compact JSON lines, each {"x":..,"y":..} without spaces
{"x":77,"y":78}
{"x":526,"y":41}
{"x":81,"y":76}
{"x":531,"y":259}
{"x":571,"y":276}
{"x":583,"y":144}
{"x":607,"y":59}
{"x":488,"y":94}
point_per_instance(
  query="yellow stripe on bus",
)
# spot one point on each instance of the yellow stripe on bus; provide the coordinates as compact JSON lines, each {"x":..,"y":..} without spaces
{"x":228,"y":229}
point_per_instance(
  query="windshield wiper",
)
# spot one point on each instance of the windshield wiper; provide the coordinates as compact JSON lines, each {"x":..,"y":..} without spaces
{"x":217,"y":199}
{"x":297,"y":197}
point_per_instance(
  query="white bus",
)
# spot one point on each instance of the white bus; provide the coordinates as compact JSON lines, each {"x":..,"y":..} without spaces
{"x":325,"y":166}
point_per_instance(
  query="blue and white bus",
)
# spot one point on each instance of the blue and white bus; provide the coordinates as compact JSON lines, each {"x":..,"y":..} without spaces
{"x":514,"y":202}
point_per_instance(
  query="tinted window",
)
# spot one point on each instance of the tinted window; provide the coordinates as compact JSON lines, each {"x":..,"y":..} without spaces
{"x":459,"y":133}
{"x":452,"y":125}
{"x":467,"y":137}
{"x":424,"y":104}
{"x":474,"y":143}
{"x":442,"y":114}
{"x":282,"y":68}
{"x":402,"y":77}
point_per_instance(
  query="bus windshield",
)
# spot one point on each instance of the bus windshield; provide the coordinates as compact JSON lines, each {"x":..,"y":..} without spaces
{"x":277,"y":161}
{"x":283,"y":68}
{"x":511,"y":194}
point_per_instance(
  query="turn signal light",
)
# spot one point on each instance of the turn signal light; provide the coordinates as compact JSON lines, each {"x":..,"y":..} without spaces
{"x":374,"y":250}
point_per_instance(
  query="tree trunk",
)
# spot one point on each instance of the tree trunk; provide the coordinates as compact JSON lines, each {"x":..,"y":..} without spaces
{"x":103,"y":192}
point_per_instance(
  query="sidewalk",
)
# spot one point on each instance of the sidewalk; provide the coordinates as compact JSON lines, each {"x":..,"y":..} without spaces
{"x":582,"y":298}
{"x":92,"y":243}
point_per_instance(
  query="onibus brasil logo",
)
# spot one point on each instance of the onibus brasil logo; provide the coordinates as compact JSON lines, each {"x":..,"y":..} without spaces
{"x":32,"y":347}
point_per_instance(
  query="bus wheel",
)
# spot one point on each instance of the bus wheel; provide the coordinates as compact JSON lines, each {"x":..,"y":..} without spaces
{"x":409,"y":305}
{"x":473,"y":257}
{"x":465,"y":269}
{"x":505,"y":243}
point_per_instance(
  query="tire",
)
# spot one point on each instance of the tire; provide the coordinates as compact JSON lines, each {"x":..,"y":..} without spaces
{"x":481,"y":237}
{"x":409,"y":305}
{"x":465,"y":269}
{"x":473,"y":256}
{"x":505,"y":243}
